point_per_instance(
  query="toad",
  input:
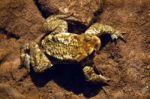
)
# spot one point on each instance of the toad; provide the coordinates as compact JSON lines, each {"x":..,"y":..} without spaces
{"x":60,"y":46}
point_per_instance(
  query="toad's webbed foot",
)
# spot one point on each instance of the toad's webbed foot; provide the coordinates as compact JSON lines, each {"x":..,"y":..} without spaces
{"x":98,"y":29}
{"x":93,"y":77}
{"x":31,"y":55}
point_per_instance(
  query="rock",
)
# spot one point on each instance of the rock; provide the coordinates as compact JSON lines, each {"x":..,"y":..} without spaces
{"x":19,"y":17}
{"x":59,"y":95}
{"x":84,"y":10}
{"x":20,"y":22}
{"x":19,"y":74}
{"x":11,"y":93}
{"x":9,"y":65}
{"x":69,"y":95}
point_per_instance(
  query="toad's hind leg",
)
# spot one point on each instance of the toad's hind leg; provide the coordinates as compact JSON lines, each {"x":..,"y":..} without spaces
{"x":31,"y":55}
{"x":57,"y":23}
{"x":93,"y":77}
{"x":98,"y":29}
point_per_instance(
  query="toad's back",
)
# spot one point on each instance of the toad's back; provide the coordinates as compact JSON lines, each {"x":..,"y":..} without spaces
{"x":66,"y":46}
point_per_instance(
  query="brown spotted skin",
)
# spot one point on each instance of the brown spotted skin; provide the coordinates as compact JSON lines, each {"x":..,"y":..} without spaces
{"x":62,"y":45}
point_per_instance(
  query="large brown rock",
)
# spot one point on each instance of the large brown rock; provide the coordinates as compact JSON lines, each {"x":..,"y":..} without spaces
{"x":20,"y":22}
{"x":84,"y":10}
{"x":19,"y":17}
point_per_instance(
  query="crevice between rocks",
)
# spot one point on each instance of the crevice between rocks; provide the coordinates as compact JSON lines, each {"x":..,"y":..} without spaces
{"x":9,"y":34}
{"x":4,"y":58}
{"x":43,"y":12}
{"x":98,"y":12}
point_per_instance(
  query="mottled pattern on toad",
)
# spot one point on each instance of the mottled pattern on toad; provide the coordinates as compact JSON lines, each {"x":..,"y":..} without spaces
{"x":66,"y":47}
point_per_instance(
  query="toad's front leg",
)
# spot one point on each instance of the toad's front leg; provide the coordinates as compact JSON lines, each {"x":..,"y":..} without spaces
{"x":93,"y":77}
{"x":31,"y":55}
{"x":98,"y":29}
{"x":57,"y":24}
